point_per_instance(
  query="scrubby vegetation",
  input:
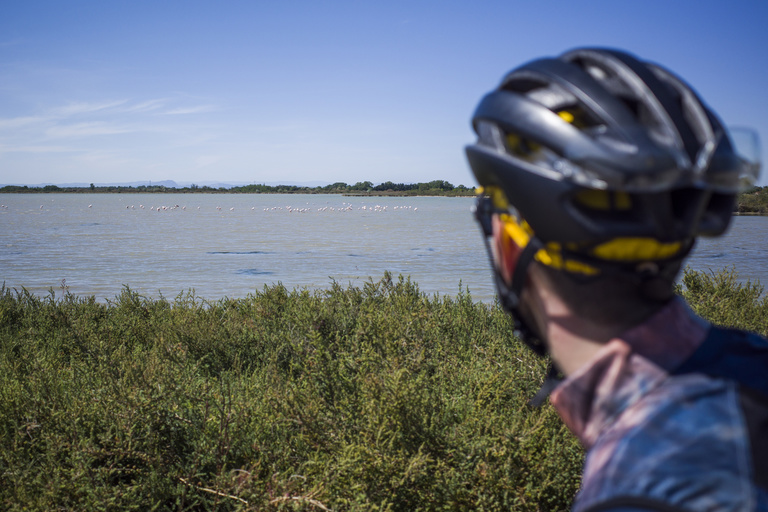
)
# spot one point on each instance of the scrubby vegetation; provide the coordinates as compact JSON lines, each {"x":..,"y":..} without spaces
{"x":371,"y":398}
{"x":722,"y":299}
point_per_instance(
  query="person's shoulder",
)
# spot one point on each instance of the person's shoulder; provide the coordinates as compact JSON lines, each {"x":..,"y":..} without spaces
{"x":633,"y":504}
{"x":732,"y":354}
{"x":741,"y":336}
{"x":684,"y":443}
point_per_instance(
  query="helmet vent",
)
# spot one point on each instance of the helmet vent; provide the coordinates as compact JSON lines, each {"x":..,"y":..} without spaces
{"x":606,"y":77}
{"x":553,"y":97}
{"x":597,"y":73}
{"x":694,"y":113}
{"x":656,"y":128}
{"x":522,"y":147}
{"x":489,"y":135}
{"x":522,"y":84}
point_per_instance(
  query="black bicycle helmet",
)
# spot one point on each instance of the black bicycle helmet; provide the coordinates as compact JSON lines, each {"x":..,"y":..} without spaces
{"x":609,"y":162}
{"x":602,"y":119}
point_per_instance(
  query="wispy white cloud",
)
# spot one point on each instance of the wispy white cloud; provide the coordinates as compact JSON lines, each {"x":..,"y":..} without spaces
{"x":145,"y":106}
{"x":86,"y":130}
{"x":86,"y":108}
{"x":128,"y":107}
{"x":191,"y":110}
{"x":83,"y":118}
{"x":18,"y":122}
{"x":104,"y":134}
{"x":37,"y":149}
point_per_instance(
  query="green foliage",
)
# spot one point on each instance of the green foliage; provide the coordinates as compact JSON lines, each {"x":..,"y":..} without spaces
{"x":722,"y":299}
{"x":371,"y":398}
{"x":753,"y":201}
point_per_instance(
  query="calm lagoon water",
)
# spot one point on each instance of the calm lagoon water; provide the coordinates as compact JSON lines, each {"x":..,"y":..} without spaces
{"x":230,"y":245}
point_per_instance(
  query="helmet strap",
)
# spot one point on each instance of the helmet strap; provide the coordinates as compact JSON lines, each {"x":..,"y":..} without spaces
{"x":511,"y":302}
{"x":554,"y":377}
{"x":509,"y":295}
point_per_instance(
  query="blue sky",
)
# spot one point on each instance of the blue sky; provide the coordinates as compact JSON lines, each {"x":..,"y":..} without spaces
{"x":310,"y":91}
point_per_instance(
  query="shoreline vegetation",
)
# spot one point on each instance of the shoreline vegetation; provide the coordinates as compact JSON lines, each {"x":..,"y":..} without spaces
{"x":377,"y":397}
{"x":361,"y":188}
{"x":753,"y":201}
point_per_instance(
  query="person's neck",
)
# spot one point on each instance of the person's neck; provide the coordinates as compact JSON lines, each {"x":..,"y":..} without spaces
{"x":574,"y":340}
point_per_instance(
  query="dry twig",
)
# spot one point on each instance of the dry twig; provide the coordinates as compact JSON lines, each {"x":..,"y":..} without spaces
{"x":214,"y":491}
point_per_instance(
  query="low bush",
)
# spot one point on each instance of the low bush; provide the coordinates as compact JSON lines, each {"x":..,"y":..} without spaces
{"x":722,"y":299}
{"x":362,"y":398}
{"x":371,"y":398}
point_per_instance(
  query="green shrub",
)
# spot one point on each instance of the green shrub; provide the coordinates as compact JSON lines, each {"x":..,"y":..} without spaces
{"x":722,"y":299}
{"x":362,"y":398}
{"x":371,"y":398}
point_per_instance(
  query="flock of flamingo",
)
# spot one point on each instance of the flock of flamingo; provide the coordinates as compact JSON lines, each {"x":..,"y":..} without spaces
{"x":290,"y":209}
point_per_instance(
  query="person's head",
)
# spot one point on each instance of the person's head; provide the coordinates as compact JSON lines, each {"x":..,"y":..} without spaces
{"x":600,"y":170}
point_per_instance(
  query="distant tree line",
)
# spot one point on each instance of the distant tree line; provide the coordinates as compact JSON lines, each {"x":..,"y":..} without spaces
{"x":432,"y":188}
{"x":753,"y":201}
